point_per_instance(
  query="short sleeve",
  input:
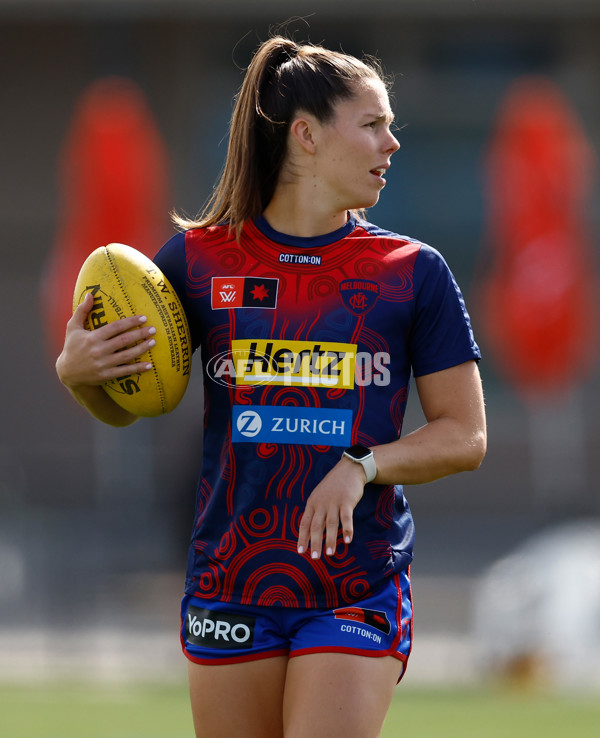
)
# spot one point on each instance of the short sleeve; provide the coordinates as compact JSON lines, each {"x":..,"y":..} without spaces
{"x":171,"y":260}
{"x":441,"y":336}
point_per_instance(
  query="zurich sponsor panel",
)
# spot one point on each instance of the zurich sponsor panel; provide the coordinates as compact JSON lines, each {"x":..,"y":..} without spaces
{"x":304,"y":425}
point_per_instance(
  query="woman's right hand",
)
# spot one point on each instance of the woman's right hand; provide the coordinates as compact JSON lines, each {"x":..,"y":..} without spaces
{"x":92,"y":357}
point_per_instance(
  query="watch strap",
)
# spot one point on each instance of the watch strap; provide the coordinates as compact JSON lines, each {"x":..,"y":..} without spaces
{"x":367,"y":462}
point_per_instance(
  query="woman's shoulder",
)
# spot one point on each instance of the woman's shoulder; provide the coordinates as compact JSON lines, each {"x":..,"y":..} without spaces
{"x":392,"y":239}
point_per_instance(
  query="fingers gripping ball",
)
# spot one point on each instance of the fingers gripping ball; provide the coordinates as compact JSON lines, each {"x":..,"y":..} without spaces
{"x":124,"y":282}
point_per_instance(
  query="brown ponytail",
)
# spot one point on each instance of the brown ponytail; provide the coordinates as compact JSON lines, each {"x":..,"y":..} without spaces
{"x":282,"y":78}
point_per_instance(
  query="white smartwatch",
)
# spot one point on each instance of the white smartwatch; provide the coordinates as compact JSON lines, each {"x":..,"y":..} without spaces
{"x":364,"y":456}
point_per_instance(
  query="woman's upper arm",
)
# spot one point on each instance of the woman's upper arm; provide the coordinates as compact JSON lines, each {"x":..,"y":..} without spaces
{"x":454,"y":393}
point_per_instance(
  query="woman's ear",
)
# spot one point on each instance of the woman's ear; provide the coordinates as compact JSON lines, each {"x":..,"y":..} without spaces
{"x":302,"y":130}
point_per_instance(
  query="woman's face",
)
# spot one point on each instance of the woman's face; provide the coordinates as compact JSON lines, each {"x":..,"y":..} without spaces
{"x":355,"y":147}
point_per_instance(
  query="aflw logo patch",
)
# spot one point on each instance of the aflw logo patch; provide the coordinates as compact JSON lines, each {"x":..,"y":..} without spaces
{"x":295,"y":363}
{"x":243,"y":292}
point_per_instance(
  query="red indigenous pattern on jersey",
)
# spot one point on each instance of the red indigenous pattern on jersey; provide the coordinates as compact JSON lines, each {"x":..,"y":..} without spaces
{"x":307,"y":345}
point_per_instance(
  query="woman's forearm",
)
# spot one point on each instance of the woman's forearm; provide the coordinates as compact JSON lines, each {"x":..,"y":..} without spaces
{"x":439,"y":448}
{"x":98,"y":403}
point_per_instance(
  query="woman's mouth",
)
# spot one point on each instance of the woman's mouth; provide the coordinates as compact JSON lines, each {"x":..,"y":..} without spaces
{"x":379,"y":173}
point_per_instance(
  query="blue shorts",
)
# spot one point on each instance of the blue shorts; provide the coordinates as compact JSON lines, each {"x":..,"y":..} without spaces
{"x":222,"y":633}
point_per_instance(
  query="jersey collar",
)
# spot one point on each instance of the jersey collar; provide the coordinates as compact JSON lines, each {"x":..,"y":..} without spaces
{"x":302,"y":242}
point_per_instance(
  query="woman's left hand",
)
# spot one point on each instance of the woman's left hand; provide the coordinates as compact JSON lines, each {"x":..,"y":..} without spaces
{"x":331,"y":504}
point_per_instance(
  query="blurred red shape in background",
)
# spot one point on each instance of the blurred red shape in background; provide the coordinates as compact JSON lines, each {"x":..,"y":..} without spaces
{"x":538,"y":303}
{"x":113,"y":179}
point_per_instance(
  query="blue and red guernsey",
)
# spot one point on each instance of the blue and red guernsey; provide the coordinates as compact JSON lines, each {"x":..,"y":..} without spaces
{"x":307,"y":346}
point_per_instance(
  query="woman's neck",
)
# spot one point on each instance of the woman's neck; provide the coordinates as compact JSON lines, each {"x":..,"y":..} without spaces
{"x":288,"y":212}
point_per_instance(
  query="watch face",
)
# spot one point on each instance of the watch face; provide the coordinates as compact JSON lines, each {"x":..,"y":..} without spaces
{"x":358,"y":451}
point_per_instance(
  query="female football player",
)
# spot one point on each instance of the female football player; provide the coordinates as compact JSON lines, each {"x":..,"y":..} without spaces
{"x":297,"y":612}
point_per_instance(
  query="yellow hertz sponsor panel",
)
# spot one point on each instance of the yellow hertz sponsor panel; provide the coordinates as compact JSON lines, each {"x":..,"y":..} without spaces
{"x":296,"y":363}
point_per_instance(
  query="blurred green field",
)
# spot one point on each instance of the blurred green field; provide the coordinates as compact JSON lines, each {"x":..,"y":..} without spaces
{"x":163,"y":712}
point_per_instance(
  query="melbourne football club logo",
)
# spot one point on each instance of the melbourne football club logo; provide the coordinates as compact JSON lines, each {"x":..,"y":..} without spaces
{"x":359,"y":295}
{"x":243,"y":292}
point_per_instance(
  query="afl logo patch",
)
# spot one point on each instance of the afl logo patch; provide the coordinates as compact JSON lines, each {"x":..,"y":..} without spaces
{"x":244,"y":292}
{"x":359,"y":295}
